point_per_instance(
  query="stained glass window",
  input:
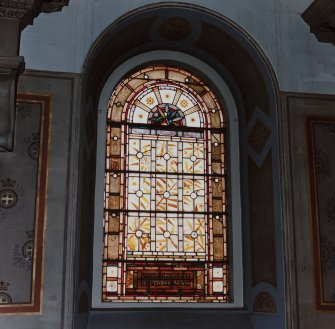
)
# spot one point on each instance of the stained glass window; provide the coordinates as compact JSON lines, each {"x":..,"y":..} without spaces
{"x":165,"y":214}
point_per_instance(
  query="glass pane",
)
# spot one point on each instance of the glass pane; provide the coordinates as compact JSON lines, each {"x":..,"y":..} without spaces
{"x":165,"y":201}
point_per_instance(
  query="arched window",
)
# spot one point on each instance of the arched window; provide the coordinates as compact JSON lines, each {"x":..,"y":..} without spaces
{"x":165,"y":201}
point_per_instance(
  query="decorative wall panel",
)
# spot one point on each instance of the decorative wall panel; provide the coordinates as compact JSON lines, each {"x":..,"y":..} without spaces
{"x":23,"y":183}
{"x":321,"y":141}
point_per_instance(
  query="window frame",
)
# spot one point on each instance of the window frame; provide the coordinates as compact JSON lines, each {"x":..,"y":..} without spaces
{"x":233,"y":164}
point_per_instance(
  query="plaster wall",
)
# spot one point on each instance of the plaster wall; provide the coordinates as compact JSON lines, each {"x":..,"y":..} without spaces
{"x":60,"y":42}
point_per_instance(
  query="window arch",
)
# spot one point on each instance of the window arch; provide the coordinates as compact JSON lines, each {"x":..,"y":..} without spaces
{"x":165,"y":197}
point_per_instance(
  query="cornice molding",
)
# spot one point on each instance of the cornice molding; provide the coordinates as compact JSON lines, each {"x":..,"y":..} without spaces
{"x":26,"y":10}
{"x":12,"y":63}
{"x":51,"y":6}
{"x":320,"y":16}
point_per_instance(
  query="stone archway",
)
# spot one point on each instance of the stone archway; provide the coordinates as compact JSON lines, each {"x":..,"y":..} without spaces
{"x":238,"y":60}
